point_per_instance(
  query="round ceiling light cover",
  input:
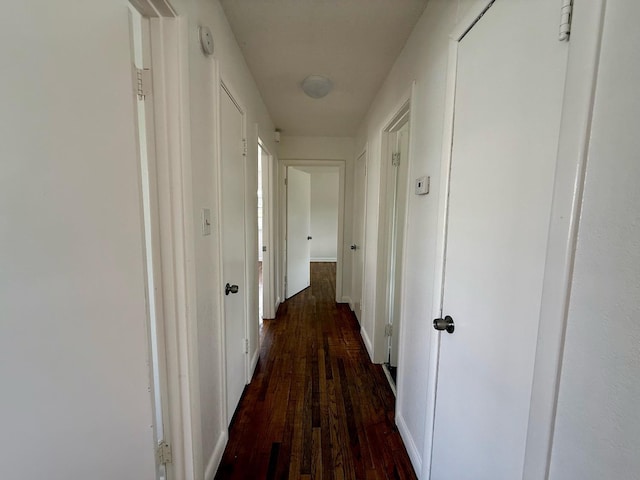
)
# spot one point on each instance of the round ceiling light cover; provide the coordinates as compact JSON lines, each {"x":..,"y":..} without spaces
{"x":317,"y":86}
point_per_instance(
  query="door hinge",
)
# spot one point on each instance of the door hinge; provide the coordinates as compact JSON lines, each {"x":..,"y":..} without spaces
{"x":285,"y":182}
{"x":246,"y":345}
{"x":395,"y":159}
{"x":388,"y":330}
{"x":566,"y":15}
{"x":264,"y":248}
{"x":244,"y":147}
{"x":164,"y":453}
{"x":143,"y":82}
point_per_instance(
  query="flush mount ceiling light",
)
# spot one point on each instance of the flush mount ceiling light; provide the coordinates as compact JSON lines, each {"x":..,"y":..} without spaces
{"x":317,"y":86}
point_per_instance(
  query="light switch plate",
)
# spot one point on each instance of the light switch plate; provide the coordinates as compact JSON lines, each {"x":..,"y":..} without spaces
{"x":206,"y":221}
{"x":422,"y":185}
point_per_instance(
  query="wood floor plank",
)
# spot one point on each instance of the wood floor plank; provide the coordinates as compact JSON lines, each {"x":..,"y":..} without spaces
{"x":317,"y":408}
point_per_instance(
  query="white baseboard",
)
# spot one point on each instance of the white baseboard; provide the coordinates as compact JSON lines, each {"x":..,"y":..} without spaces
{"x":347,"y":299}
{"x":324,"y":259}
{"x":254,"y":363}
{"x":367,"y":343}
{"x":409,"y":444}
{"x":216,"y":456}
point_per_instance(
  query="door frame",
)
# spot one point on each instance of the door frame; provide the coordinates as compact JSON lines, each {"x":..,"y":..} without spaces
{"x":170,"y":39}
{"x":268,"y":267}
{"x":377,"y":346}
{"x":222,"y":87}
{"x":352,"y":301}
{"x":575,"y":130}
{"x":341,"y":164}
{"x":386,"y":267}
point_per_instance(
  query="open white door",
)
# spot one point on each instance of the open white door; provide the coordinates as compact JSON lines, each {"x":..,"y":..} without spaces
{"x":233,"y":247}
{"x":298,"y":231}
{"x":145,"y":113}
{"x":508,"y":100}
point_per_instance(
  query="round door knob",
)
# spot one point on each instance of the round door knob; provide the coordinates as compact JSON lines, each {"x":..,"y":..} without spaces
{"x":309,"y":238}
{"x":353,"y":247}
{"x":230,"y":289}
{"x":445,"y":323}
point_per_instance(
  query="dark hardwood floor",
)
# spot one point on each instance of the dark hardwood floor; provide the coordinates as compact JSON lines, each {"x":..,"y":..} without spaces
{"x":317,"y":408}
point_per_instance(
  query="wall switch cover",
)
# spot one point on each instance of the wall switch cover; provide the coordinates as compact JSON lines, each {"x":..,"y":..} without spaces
{"x":206,"y":221}
{"x":422,"y":185}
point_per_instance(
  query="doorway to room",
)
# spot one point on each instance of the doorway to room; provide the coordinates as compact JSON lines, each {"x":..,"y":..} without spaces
{"x":313,"y":205}
{"x":395,"y":220}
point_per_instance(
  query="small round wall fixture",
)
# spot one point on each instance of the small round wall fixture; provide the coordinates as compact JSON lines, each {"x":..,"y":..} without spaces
{"x":317,"y":86}
{"x":206,"y":40}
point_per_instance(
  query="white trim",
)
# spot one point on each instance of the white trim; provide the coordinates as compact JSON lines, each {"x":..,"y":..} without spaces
{"x":216,"y":456}
{"x":341,"y":164}
{"x":217,"y":168}
{"x":185,"y":259}
{"x":399,"y":117}
{"x":469,"y":19}
{"x":253,"y":363}
{"x":347,"y":299}
{"x":409,"y":443}
{"x":268,"y":230}
{"x":367,"y":342}
{"x":173,"y":163}
{"x":324,"y":259}
{"x":573,"y":150}
{"x":363,"y":279}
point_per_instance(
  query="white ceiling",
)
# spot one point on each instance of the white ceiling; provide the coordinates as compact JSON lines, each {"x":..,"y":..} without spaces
{"x":353,"y":42}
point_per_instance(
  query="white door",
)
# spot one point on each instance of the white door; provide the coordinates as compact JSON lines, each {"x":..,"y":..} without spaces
{"x":357,"y":250}
{"x":233,"y":247}
{"x":509,"y":91}
{"x":298,"y":231}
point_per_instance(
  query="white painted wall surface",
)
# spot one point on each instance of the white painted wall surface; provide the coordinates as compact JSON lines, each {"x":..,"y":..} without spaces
{"x":423,"y":59}
{"x":202,"y":84}
{"x":598,"y":418}
{"x":324,"y":212}
{"x":324,"y":217}
{"x":73,"y":343}
{"x":324,"y":148}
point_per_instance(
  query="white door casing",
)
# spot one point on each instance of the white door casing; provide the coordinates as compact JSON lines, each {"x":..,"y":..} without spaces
{"x":357,"y":252}
{"x":397,"y":229}
{"x":233,"y":246}
{"x":298,"y":231}
{"x":146,"y":133}
{"x":508,"y":99}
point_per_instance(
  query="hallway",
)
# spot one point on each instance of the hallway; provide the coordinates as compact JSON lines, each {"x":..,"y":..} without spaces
{"x":317,"y":408}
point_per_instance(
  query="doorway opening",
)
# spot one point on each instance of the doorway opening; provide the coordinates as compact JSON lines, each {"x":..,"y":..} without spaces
{"x":359,"y":227}
{"x":262,"y":248}
{"x":151,"y":33}
{"x":393,"y":213}
{"x":266,"y":262}
{"x":313,"y":221}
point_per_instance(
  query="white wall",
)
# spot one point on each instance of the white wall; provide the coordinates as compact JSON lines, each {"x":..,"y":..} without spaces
{"x":73,"y":343}
{"x":203,"y":84}
{"x":323,"y":148}
{"x":73,"y":340}
{"x":324,"y":217}
{"x":423,"y":59}
{"x":324,"y":212}
{"x":598,"y":418}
